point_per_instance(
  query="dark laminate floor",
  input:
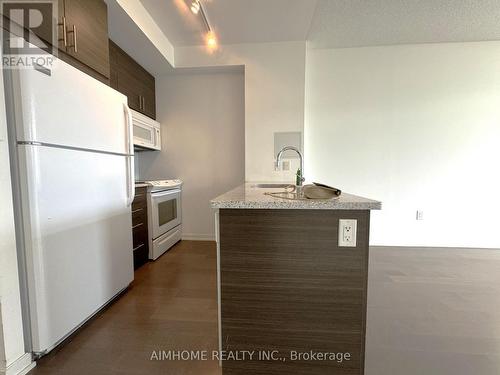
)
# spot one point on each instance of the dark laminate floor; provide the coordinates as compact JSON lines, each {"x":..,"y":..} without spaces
{"x":433,"y":311}
{"x":170,"y":306}
{"x":430,"y":311}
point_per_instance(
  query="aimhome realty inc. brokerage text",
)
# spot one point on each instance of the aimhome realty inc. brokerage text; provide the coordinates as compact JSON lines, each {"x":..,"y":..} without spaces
{"x":247,"y":355}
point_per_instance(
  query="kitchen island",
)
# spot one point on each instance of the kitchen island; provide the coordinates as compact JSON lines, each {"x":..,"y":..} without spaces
{"x":290,"y":296}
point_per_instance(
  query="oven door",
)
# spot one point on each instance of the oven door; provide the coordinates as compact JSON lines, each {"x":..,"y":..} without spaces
{"x":166,"y":211}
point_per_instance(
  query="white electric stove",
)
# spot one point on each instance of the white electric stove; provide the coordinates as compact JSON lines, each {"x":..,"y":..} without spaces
{"x":164,"y":215}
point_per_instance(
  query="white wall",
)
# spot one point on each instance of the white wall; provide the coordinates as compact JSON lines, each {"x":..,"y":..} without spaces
{"x":203,"y":125}
{"x":274,"y":96}
{"x":12,"y":355}
{"x":415,"y":126}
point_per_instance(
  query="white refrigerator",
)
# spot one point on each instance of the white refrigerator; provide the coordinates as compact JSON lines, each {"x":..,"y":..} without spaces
{"x":75,"y":185}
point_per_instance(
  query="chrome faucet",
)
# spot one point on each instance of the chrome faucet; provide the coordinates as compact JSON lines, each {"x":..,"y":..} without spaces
{"x":301,"y":178}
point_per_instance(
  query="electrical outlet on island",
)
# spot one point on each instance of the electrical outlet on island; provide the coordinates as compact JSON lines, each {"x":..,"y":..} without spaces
{"x":347,"y":232}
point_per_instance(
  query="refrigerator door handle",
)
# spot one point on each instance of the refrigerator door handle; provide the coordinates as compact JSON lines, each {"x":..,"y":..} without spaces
{"x":130,"y":180}
{"x":130,"y":155}
{"x":129,"y":130}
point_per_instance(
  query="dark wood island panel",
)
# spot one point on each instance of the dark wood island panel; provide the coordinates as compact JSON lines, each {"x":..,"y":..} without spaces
{"x":287,"y":286}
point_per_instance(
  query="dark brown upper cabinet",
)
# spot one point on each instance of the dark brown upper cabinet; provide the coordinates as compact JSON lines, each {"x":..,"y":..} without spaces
{"x":132,"y":80}
{"x":83,"y":35}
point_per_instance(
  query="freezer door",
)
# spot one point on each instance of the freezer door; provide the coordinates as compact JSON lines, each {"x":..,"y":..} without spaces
{"x":69,"y":108}
{"x":78,"y":236}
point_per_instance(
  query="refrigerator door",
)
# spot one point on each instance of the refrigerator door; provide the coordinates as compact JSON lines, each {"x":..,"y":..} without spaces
{"x":69,"y":108}
{"x":77,"y":236}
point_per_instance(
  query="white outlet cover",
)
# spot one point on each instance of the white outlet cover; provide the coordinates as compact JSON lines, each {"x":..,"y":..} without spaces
{"x":348,"y":229}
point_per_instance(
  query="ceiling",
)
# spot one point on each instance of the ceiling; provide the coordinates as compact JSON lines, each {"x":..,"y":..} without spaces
{"x":234,"y":21}
{"x":352,"y":23}
{"x":132,"y":40}
{"x":330,"y":23}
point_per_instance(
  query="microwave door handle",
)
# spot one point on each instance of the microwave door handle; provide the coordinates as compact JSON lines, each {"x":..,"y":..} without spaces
{"x":130,"y":155}
{"x":158,"y":139}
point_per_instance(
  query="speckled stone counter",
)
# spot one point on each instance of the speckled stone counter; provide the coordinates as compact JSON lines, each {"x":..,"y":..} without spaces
{"x":248,"y":196}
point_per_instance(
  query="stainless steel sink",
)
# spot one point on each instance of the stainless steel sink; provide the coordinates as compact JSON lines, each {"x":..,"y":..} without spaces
{"x":286,"y":195}
{"x":272,"y":186}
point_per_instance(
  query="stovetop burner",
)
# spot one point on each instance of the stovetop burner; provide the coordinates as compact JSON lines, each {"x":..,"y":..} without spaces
{"x":158,"y":185}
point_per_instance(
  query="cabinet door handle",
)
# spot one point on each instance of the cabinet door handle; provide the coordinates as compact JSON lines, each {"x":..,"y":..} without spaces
{"x":137,"y":225}
{"x":64,"y":32}
{"x":75,"y":39}
{"x":143,"y":103}
{"x":140,"y":102}
{"x":138,"y":247}
{"x":138,"y":210}
{"x":74,"y":45}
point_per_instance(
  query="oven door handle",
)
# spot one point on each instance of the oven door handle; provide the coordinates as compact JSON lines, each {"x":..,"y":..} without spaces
{"x":160,"y":194}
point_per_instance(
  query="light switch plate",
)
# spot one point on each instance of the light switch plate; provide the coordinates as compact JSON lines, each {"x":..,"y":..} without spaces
{"x":347,"y":232}
{"x":420,"y":215}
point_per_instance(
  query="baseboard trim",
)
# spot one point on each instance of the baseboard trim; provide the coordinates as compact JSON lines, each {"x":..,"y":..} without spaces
{"x":21,"y":366}
{"x":409,"y":247}
{"x":198,"y":237}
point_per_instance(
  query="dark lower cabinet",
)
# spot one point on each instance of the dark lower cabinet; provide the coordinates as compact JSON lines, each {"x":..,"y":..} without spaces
{"x":132,"y":80}
{"x":140,"y":227}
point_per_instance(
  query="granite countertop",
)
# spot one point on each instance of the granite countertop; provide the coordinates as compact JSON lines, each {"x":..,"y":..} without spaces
{"x":248,"y":196}
{"x":141,"y":184}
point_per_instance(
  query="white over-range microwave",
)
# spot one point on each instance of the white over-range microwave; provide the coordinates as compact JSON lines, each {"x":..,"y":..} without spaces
{"x":147,"y":133}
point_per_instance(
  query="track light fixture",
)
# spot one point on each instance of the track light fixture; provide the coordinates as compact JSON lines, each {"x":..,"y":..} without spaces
{"x":195,"y":6}
{"x":210,"y":37}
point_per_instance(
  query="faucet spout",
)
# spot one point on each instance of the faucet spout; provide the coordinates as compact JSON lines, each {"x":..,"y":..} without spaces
{"x":301,"y":179}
